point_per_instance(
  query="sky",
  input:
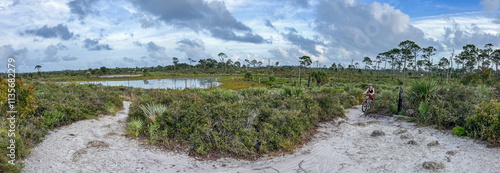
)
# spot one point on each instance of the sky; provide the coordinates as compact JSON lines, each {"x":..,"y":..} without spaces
{"x":82,"y":34}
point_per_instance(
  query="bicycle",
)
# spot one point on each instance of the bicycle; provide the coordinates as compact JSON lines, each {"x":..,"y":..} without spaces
{"x":366,"y":104}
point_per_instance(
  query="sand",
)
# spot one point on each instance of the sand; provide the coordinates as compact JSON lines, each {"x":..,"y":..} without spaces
{"x":345,"y":145}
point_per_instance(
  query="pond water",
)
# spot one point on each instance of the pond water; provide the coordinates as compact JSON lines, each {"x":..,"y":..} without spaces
{"x":171,"y":83}
{"x":120,"y":75}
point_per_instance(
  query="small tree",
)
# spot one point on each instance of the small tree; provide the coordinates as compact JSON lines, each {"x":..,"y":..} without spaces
{"x":367,"y":61}
{"x":38,"y":67}
{"x":247,"y":76}
{"x":176,"y":61}
{"x":320,"y":77}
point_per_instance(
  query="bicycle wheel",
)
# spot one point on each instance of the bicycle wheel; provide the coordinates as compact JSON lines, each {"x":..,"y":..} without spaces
{"x":364,"y":106}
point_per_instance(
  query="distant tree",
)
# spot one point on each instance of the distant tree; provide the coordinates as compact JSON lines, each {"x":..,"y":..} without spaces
{"x":486,"y":58}
{"x":495,"y":58}
{"x":415,"y":49}
{"x":176,"y":61}
{"x":356,"y":65}
{"x":428,"y":52}
{"x":334,"y":66}
{"x":443,"y":63}
{"x":469,"y":56}
{"x":305,"y":61}
{"x":203,"y":63}
{"x":394,"y":55}
{"x":211,"y":63}
{"x":254,"y":62}
{"x":38,"y":67}
{"x":222,"y":56}
{"x":191,"y":61}
{"x":259,"y":63}
{"x":277,"y":63}
{"x":406,"y":49}
{"x":237,"y":64}
{"x":367,"y":61}
{"x":247,"y":62}
{"x":103,"y":69}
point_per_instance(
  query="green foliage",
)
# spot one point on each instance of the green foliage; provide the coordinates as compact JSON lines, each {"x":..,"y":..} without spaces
{"x":423,"y":109}
{"x":485,"y":122}
{"x":247,"y":76}
{"x":134,"y":127}
{"x":151,"y":111}
{"x":246,"y":123}
{"x":422,"y":91}
{"x":320,"y":77}
{"x":459,"y":131}
{"x":52,"y":118}
{"x":43,"y":106}
{"x":272,"y":79}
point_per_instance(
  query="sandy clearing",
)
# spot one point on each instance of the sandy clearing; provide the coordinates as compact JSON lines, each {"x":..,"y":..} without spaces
{"x":341,"y":146}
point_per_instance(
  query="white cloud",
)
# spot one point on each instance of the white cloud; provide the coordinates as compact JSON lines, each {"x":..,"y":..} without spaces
{"x":490,"y":5}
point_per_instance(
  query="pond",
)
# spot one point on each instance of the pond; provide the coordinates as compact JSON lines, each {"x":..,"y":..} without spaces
{"x":120,"y":75}
{"x":170,"y":83}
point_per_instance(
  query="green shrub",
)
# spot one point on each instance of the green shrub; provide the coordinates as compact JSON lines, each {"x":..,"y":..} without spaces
{"x":134,"y":127}
{"x":246,"y":123}
{"x":422,"y":91}
{"x":485,"y":122}
{"x":247,"y":76}
{"x":272,"y":79}
{"x":52,"y":118}
{"x":459,"y":131}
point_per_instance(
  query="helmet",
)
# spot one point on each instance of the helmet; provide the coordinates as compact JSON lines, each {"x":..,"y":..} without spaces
{"x":370,"y":84}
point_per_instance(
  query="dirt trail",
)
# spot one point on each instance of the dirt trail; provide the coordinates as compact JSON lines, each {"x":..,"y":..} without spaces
{"x":342,"y":146}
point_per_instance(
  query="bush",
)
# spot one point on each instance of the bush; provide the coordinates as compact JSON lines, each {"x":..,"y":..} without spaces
{"x":459,"y":131}
{"x":247,"y":76}
{"x":485,"y":122}
{"x":247,"y":123}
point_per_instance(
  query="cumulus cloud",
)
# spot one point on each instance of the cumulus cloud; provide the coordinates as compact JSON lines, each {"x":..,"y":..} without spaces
{"x":130,"y":60}
{"x":457,"y":35}
{"x":193,"y":48}
{"x":82,"y":8}
{"x":61,"y":46}
{"x":290,"y":55}
{"x":156,"y":52}
{"x":304,"y":43}
{"x":145,"y":20}
{"x":365,"y":29}
{"x":490,"y":5}
{"x":69,"y":58}
{"x":93,"y":44}
{"x":137,"y":43}
{"x":20,"y":55}
{"x":199,"y":15}
{"x":269,"y":24}
{"x":51,"y":54}
{"x":60,"y":31}
{"x":497,"y":19}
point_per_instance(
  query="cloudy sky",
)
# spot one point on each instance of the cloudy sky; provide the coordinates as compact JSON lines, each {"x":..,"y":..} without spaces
{"x":81,"y":34}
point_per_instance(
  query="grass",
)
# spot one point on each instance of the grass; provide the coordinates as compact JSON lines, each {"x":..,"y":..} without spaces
{"x":237,"y":83}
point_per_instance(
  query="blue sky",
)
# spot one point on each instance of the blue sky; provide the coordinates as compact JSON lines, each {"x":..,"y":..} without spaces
{"x":81,"y":34}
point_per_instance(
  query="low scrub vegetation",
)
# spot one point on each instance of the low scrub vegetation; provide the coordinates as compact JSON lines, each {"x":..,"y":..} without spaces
{"x":41,"y":107}
{"x":243,"y":123}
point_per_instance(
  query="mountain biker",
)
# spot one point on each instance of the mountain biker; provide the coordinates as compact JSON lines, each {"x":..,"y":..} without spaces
{"x":370,"y":91}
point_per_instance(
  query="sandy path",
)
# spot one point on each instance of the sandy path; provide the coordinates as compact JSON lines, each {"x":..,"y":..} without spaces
{"x":343,"y":146}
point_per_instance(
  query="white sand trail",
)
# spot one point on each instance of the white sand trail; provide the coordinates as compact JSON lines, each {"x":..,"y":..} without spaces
{"x":341,"y":146}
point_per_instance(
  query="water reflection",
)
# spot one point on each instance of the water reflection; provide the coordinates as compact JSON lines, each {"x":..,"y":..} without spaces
{"x":173,"y":83}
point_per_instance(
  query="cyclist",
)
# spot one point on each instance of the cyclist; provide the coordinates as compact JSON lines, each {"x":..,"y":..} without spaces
{"x":370,"y":91}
